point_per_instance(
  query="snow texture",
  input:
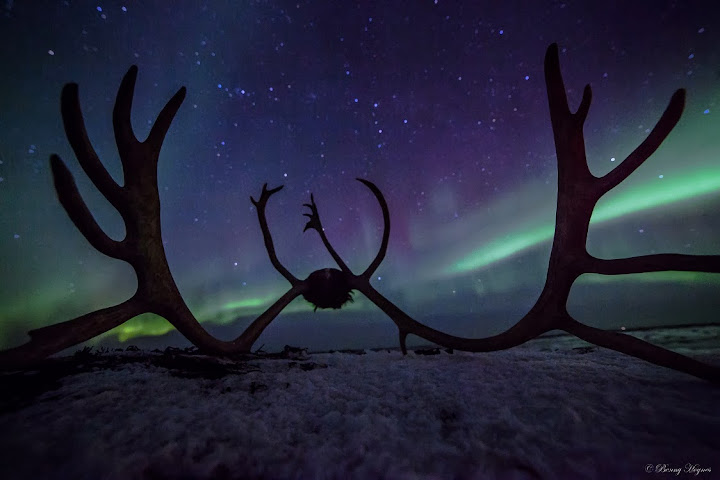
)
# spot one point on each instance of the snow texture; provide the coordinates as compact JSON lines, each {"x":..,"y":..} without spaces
{"x":548,"y":409}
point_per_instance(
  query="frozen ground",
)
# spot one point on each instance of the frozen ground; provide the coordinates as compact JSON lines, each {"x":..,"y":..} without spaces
{"x":548,"y":409}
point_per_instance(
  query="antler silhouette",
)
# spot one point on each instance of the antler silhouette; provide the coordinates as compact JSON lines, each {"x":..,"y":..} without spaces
{"x":138,"y":203}
{"x":578,"y":192}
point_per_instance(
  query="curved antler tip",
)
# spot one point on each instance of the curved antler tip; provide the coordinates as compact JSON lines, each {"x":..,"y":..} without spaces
{"x":57,"y":166}
{"x":367,"y":183}
{"x":585,"y":102}
{"x":69,"y":89}
{"x":266,"y":193}
{"x":130,"y":76}
{"x":679,"y":95}
{"x":60,"y":173}
{"x":552,"y":50}
{"x":373,"y":188}
{"x":56,"y":161}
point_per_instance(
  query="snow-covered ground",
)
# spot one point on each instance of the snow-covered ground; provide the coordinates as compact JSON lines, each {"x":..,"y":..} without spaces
{"x":548,"y":409}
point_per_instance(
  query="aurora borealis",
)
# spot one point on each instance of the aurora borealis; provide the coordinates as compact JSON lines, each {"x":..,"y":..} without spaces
{"x":441,"y":104}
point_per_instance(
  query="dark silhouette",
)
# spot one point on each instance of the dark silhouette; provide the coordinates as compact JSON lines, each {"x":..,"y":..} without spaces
{"x":138,"y":203}
{"x":328,"y":288}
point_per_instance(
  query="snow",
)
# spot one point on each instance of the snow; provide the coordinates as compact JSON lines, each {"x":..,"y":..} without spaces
{"x":548,"y":409}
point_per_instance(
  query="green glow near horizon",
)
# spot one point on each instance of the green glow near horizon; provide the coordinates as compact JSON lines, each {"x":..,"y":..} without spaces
{"x":153,"y":325}
{"x":660,"y":192}
{"x":245,"y":303}
{"x":502,"y":248}
{"x":149,"y":324}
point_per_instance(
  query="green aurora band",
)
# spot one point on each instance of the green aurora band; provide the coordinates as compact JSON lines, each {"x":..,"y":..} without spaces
{"x":627,"y":201}
{"x":642,"y":197}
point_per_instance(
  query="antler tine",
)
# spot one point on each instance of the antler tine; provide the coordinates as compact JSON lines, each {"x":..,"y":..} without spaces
{"x":386,"y":228}
{"x":555,"y":86}
{"x":265,"y":195}
{"x":165,"y":117}
{"x":77,"y":210}
{"x":313,"y":217}
{"x":315,"y":224}
{"x":49,"y":340}
{"x":643,"y":350}
{"x":655,"y":263}
{"x":668,"y":120}
{"x":253,"y":331}
{"x":267,"y":237}
{"x":567,"y":127}
{"x":125,"y":138}
{"x":76,"y":133}
{"x":582,"y":111}
{"x":559,"y":108}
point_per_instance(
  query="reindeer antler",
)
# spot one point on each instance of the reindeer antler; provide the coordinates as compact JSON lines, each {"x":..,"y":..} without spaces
{"x":578,"y":192}
{"x":138,"y":203}
{"x":406,"y":324}
{"x":315,"y":224}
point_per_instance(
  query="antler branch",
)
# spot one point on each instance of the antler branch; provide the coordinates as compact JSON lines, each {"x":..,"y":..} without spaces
{"x":156,"y":137}
{"x":406,"y":325}
{"x":52,"y":339}
{"x":314,"y":223}
{"x":578,"y":192}
{"x":386,"y":229}
{"x":125,"y":138}
{"x":659,"y":133}
{"x":656,"y":263}
{"x":138,"y":202}
{"x":269,"y":246}
{"x":75,"y":206}
{"x":633,"y":346}
{"x":77,"y":136}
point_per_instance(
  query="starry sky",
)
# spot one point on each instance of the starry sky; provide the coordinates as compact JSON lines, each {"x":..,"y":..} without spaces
{"x":441,"y":103}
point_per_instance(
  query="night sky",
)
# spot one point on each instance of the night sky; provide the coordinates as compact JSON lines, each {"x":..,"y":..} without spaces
{"x":442,"y":104}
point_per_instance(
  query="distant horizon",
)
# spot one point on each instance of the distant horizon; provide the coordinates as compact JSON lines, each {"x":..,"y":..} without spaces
{"x":655,"y":334}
